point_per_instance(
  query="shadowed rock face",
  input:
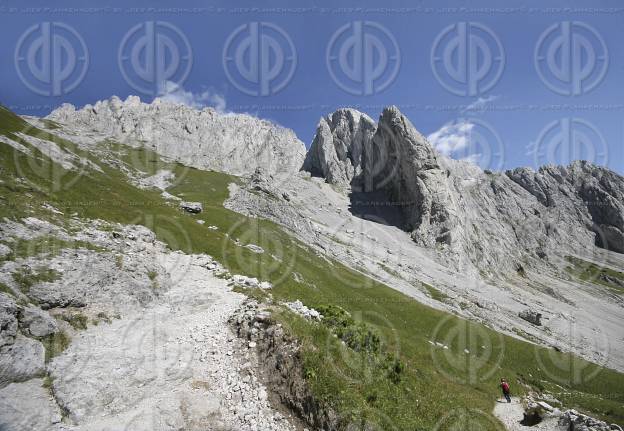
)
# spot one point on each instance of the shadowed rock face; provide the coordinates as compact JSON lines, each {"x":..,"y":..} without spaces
{"x":495,"y":221}
{"x":340,"y":140}
{"x":405,"y":165}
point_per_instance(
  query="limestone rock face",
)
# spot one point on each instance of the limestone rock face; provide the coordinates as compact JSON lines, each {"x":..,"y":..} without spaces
{"x":337,"y":148}
{"x":584,"y":194}
{"x":491,"y":221}
{"x":205,"y":139}
{"x":29,"y":406}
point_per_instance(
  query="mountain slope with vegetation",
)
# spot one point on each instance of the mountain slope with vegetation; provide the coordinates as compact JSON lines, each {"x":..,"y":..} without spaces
{"x":424,"y":365}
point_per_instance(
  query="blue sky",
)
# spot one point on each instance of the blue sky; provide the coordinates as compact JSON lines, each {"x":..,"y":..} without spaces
{"x":485,"y":101}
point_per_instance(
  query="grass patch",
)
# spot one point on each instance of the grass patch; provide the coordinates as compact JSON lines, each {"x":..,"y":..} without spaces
{"x":260,"y":295}
{"x":390,"y":270}
{"x":6,"y":289}
{"x":592,"y":273}
{"x":435,"y":293}
{"x":103,"y":317}
{"x":55,"y":344}
{"x":77,"y":320}
{"x":47,"y":382}
{"x":25,"y":277}
{"x":47,"y":245}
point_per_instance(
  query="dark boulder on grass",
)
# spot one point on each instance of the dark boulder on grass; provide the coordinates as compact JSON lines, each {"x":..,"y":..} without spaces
{"x":191,"y":207}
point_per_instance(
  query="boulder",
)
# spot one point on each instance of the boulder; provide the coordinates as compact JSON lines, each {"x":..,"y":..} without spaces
{"x":531,"y":316}
{"x":21,"y":361}
{"x":192,"y":207}
{"x":37,"y":322}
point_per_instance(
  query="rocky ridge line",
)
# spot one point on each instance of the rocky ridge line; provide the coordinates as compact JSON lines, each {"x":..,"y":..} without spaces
{"x":205,"y":139}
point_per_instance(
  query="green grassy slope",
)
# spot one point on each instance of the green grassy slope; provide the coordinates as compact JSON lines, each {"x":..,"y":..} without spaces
{"x":588,"y":271}
{"x":436,"y":385}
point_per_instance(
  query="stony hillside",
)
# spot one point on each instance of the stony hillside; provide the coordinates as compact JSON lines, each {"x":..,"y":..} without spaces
{"x":125,"y":263}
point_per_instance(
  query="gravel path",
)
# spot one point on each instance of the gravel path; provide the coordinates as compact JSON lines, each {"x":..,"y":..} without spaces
{"x":510,"y":414}
{"x":173,"y":366}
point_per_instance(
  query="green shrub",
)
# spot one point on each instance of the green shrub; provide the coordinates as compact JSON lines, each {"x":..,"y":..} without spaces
{"x":395,"y":368}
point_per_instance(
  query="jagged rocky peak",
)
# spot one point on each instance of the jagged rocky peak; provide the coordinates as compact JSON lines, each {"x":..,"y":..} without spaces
{"x":391,"y":158}
{"x":206,"y":138}
{"x":337,"y":148}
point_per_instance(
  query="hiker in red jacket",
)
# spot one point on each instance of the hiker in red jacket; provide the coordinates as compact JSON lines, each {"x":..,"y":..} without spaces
{"x":505,"y":387}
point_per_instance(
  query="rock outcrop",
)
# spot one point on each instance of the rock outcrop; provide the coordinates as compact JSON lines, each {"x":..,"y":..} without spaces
{"x":492,"y":221}
{"x":531,"y":316}
{"x":8,"y":319}
{"x":282,"y":366}
{"x":22,"y":360}
{"x":205,"y":139}
{"x":407,"y":167}
{"x":573,"y":420}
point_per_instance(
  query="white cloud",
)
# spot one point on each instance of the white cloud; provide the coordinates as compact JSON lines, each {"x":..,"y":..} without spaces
{"x":175,"y":93}
{"x":472,"y":158}
{"x":480,"y":104}
{"x":452,"y":137}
